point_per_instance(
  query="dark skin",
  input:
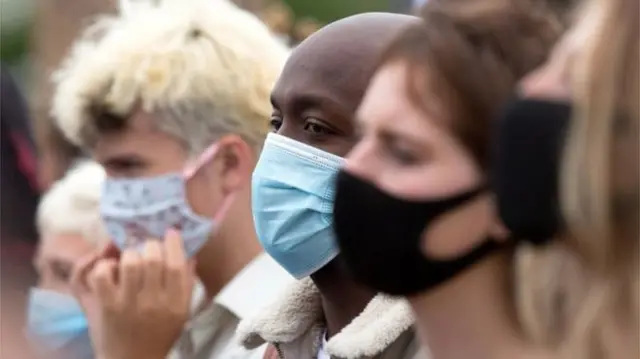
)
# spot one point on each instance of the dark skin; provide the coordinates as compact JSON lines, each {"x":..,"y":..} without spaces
{"x":314,"y":102}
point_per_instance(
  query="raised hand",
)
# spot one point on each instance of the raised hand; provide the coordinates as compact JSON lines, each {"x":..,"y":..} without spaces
{"x":137,"y":304}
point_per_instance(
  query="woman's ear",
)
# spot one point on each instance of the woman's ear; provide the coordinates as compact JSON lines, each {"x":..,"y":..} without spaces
{"x":236,"y":161}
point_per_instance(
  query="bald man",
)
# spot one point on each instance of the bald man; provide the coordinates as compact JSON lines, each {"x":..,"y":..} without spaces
{"x":325,"y":314}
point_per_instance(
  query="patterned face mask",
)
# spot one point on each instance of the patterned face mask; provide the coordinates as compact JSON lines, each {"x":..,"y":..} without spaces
{"x":138,"y":209}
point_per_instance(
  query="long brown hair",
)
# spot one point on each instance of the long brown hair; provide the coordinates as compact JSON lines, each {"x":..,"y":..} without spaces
{"x":580,"y":294}
{"x":471,"y":54}
{"x":602,"y":217}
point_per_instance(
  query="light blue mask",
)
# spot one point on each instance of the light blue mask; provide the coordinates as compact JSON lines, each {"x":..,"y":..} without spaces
{"x":292,"y":200}
{"x":136,"y":209}
{"x":56,"y":323}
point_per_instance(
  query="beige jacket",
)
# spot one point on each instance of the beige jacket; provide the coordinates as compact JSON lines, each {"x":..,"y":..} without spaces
{"x":210,"y":332}
{"x":295,"y":326}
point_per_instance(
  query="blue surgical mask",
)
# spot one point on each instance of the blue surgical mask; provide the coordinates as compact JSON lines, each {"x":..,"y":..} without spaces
{"x":56,"y":324}
{"x":136,"y":209}
{"x":292,"y":200}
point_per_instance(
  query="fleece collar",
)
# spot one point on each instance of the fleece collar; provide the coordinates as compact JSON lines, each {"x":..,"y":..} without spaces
{"x":299,"y":310}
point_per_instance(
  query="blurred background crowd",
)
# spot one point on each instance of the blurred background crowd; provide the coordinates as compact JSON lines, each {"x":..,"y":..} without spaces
{"x":52,"y":214}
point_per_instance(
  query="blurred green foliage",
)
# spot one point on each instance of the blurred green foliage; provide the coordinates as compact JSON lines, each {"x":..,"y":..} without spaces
{"x":330,"y":10}
{"x":15,"y":23}
{"x":14,"y":44}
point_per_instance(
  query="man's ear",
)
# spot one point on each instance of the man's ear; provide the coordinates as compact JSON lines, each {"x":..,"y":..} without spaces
{"x":235,"y":161}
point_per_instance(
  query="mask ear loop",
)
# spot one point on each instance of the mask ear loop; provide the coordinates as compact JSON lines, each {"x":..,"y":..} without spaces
{"x":191,"y":170}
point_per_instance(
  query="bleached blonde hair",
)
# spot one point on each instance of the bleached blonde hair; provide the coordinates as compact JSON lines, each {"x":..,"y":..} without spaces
{"x":204,"y":68}
{"x":72,"y":205}
{"x":581,"y":293}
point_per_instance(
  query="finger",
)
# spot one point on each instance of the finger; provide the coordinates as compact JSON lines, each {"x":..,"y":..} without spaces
{"x":190,"y":280}
{"x":130,"y":275}
{"x":85,"y":265}
{"x":79,"y":276}
{"x":110,"y":251}
{"x":102,"y":280}
{"x":174,"y":249}
{"x":176,"y":263}
{"x":153,"y":267}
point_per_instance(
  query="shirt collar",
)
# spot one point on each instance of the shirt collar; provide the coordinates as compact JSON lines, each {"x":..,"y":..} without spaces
{"x":258,"y":284}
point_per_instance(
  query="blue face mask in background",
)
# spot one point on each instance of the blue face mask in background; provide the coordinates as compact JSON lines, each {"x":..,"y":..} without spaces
{"x":57,"y":325}
{"x":292,"y":200}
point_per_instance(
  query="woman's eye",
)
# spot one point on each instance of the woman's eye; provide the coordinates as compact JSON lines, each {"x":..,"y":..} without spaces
{"x":403,"y":156}
{"x":275,"y":123}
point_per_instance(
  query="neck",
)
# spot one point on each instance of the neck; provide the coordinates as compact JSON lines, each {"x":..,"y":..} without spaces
{"x":342,"y":298}
{"x":471,"y":316}
{"x":230,"y":249}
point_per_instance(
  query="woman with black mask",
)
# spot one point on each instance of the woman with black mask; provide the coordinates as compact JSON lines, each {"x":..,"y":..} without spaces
{"x":553,"y":274}
{"x":414,"y":214}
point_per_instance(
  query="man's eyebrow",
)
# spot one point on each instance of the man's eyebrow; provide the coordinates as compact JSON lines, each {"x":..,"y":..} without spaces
{"x":308,"y":100}
{"x":61,"y":262}
{"x":299,"y":100}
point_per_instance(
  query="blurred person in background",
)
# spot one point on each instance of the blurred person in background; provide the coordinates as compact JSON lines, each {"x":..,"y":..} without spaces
{"x":304,"y":28}
{"x":18,"y":200}
{"x":579,"y":292}
{"x":413,"y":212}
{"x":18,"y":180}
{"x":171,"y":98}
{"x":279,"y":18}
{"x":55,"y":26}
{"x":15,"y":273}
{"x":325,"y":314}
{"x":70,"y":228}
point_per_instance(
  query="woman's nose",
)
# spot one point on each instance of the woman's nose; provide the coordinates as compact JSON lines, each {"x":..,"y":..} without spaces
{"x":361,"y":160}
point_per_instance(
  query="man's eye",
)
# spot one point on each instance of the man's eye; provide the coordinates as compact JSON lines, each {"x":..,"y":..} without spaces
{"x":61,"y":271}
{"x":122,"y":166}
{"x":126,"y":165}
{"x":316,"y":127}
{"x":275,"y":122}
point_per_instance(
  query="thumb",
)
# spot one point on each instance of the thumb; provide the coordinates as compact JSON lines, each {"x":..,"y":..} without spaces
{"x":79,"y":283}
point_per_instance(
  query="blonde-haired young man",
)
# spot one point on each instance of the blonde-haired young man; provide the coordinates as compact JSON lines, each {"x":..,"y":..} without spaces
{"x":172,"y":98}
{"x":70,"y":227}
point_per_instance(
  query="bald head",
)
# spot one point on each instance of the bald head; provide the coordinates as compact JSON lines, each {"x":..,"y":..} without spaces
{"x":326,"y":76}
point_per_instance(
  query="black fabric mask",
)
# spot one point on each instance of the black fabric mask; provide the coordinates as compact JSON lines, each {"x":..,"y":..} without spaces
{"x":528,"y":140}
{"x":379,"y":238}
